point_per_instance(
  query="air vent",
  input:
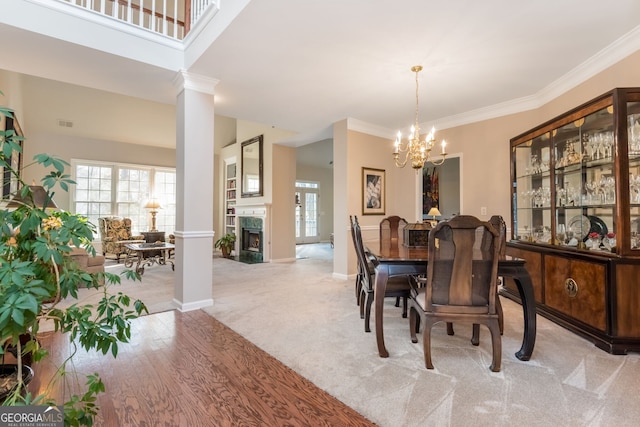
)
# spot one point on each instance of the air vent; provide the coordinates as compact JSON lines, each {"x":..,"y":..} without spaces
{"x":65,"y":123}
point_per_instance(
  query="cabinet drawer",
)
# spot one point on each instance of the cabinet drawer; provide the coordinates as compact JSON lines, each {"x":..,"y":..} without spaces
{"x":576,"y":288}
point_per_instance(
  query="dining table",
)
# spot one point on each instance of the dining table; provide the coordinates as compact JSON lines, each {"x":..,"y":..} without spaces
{"x":399,"y":260}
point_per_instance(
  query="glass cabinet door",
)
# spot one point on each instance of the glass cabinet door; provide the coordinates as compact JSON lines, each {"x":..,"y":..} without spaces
{"x":585,"y":182}
{"x":576,"y":179}
{"x":532,"y":196}
{"x":633,"y":136}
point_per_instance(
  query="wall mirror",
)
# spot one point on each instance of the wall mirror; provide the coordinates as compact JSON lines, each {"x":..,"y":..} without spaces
{"x":252,"y":167}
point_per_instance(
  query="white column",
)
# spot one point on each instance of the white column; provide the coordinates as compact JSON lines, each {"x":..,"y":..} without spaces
{"x":194,"y":187}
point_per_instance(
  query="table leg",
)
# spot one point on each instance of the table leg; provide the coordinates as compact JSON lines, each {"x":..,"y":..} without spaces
{"x":140,"y":270}
{"x":382,"y":275}
{"x":523,"y":281}
{"x":166,"y":259}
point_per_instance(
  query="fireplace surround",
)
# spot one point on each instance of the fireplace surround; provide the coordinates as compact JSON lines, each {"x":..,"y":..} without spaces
{"x":254,"y":245}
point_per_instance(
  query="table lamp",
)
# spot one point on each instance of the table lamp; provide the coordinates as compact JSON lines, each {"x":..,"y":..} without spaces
{"x":433,"y":213}
{"x":153,"y":205}
{"x":38,"y":198}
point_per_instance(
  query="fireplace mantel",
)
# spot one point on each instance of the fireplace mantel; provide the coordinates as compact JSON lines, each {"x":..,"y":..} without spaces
{"x":262,"y":211}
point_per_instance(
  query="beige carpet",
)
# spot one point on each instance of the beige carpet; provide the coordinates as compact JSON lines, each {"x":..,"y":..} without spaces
{"x":309,"y":320}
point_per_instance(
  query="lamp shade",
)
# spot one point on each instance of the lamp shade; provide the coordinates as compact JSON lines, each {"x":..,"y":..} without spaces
{"x":434,"y":212}
{"x":153,"y":204}
{"x":38,"y":198}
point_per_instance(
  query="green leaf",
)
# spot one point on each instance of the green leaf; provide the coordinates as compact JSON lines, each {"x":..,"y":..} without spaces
{"x":17,"y":316}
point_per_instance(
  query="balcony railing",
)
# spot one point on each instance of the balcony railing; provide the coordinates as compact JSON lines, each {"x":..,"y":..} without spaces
{"x":166,"y":17}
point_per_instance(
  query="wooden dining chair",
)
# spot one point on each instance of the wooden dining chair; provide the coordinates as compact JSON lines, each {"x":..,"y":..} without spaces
{"x":396,"y":286}
{"x":392,"y":233}
{"x":461,"y":282}
{"x":360,"y":273}
{"x":392,"y":230}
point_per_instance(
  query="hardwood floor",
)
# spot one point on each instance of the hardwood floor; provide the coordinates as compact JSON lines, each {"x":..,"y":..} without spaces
{"x":188,"y":369}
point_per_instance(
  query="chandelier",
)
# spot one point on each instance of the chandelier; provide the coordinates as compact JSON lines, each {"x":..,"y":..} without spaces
{"x":417,"y":150}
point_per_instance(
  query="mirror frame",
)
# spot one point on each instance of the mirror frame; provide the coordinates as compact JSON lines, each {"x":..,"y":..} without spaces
{"x":244,"y":192}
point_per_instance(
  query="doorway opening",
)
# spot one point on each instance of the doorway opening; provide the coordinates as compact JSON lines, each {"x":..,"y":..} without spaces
{"x":307,"y":195}
{"x":441,"y":188}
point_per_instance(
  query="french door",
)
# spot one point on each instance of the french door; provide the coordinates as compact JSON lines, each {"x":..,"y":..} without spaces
{"x":307,"y":194}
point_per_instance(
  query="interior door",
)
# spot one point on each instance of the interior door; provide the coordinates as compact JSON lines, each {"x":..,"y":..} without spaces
{"x":307,"y":214}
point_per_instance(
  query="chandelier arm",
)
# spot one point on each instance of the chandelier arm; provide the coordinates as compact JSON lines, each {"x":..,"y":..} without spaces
{"x":403,"y":163}
{"x":438,"y":163}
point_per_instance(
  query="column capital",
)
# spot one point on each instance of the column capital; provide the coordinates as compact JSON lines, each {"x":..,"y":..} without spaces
{"x":186,"y":80}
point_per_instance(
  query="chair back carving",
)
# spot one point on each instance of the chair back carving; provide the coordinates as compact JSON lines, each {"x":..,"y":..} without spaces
{"x":501,"y":227}
{"x":463,"y":266}
{"x":392,"y":231}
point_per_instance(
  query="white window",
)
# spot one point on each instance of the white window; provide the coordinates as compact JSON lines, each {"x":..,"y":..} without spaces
{"x":116,"y":189}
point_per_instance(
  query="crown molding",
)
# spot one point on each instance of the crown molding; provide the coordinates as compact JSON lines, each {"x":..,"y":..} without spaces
{"x":607,"y":57}
{"x":369,"y":128}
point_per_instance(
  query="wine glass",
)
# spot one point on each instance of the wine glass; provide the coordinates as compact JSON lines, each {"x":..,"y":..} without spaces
{"x":561,"y":233}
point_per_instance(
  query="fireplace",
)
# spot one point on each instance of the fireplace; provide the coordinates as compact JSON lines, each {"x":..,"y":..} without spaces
{"x":252,"y":240}
{"x":254,"y":233}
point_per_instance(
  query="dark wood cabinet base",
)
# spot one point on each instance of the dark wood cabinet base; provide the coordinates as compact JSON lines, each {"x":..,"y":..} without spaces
{"x":604,"y":307}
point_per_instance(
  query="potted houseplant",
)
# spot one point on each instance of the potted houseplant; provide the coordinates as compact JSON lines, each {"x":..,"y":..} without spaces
{"x":37,"y":273}
{"x":226,"y":244}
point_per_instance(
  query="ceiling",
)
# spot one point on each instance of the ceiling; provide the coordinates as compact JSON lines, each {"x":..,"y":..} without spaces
{"x":304,"y":65}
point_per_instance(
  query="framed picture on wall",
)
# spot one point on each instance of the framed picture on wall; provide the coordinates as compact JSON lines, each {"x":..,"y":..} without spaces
{"x":373,"y":191}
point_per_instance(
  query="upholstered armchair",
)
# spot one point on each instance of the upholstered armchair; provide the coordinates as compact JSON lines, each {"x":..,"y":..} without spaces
{"x":115,"y":233}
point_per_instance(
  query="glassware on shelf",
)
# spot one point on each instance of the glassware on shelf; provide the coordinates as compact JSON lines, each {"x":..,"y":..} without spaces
{"x":541,"y":197}
{"x":570,"y":155}
{"x":561,"y":234}
{"x":634,"y":136}
{"x":591,"y":188}
{"x":602,"y":191}
{"x":609,"y":242}
{"x":599,"y":146}
{"x":634,"y":188}
{"x":571,"y":239}
{"x":594,"y":240}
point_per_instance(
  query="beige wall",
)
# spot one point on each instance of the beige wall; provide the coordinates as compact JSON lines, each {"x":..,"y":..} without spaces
{"x":484,"y":153}
{"x":485,"y":145}
{"x":279,"y":170}
{"x":96,"y":114}
{"x":362,"y":150}
{"x":283,"y":230}
{"x":70,"y":147}
{"x":107,"y":126}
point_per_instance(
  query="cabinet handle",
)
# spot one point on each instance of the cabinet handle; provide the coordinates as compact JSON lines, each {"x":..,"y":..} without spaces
{"x":571,"y":286}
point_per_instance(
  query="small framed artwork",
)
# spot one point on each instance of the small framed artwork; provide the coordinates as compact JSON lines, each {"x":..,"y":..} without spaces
{"x":373,"y":191}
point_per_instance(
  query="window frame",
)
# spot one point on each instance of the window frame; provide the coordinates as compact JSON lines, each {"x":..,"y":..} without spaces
{"x":143,"y":218}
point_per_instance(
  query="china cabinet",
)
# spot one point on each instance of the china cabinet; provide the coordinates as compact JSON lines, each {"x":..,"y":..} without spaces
{"x":575,"y":196}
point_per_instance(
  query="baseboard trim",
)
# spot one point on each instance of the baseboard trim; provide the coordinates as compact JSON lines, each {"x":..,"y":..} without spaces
{"x":196,"y":305}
